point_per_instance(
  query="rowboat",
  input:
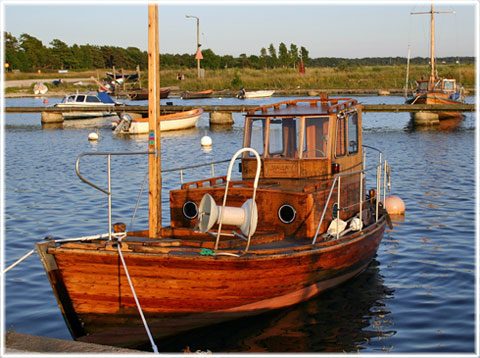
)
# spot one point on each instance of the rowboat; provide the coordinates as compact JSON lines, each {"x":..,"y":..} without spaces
{"x":87,"y":100}
{"x":254,"y":94}
{"x":143,"y":95}
{"x":197,"y":94}
{"x":168,"y":122}
{"x":297,"y":222}
{"x":40,"y":88}
{"x":435,"y":90}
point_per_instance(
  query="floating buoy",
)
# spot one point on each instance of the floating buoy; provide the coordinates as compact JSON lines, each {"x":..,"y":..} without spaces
{"x":46,"y":101}
{"x":93,"y":136}
{"x":206,"y":141}
{"x":394,"y":205}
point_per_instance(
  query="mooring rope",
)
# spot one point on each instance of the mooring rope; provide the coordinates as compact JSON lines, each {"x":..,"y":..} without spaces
{"x":18,"y":261}
{"x":154,"y":347}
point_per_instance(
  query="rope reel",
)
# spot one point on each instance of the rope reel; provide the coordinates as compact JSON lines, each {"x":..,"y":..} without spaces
{"x":209,"y":214}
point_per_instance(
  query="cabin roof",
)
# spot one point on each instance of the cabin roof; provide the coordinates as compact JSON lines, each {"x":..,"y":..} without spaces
{"x":304,"y":107}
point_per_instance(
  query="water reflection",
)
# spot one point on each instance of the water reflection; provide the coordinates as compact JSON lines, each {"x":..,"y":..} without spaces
{"x":345,"y":319}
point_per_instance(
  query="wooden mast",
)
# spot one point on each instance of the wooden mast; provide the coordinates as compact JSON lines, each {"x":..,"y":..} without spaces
{"x":154,"y":138}
{"x":431,"y":82}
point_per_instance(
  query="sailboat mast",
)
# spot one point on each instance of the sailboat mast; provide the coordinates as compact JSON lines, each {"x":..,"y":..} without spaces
{"x":432,"y":41}
{"x":154,"y":138}
{"x":432,"y":48}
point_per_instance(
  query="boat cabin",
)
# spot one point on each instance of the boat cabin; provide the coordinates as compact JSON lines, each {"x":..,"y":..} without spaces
{"x":304,"y":139}
{"x":443,"y":85}
{"x":99,"y":98}
{"x":302,"y":145}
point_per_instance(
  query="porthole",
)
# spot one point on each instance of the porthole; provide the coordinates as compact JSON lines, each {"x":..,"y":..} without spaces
{"x":286,"y":214}
{"x":190,"y":210}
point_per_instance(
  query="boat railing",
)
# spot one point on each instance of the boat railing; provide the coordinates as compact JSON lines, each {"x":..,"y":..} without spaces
{"x":337,"y":182}
{"x":108,"y":190}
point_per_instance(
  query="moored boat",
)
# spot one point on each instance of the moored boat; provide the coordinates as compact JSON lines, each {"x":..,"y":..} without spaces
{"x":139,"y":95}
{"x":197,"y":94}
{"x":435,"y":90}
{"x":169,"y":122}
{"x":297,"y":222}
{"x":90,"y":101}
{"x":40,"y":88}
{"x":243,"y":94}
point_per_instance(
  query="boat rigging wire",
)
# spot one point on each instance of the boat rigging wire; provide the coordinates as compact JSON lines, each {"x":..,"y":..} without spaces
{"x":18,"y":261}
{"x":154,"y":347}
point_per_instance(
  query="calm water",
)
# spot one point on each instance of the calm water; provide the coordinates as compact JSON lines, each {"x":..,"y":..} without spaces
{"x":417,"y":296}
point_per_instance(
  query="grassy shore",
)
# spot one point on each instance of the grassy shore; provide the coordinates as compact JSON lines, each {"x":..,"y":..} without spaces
{"x":367,"y":78}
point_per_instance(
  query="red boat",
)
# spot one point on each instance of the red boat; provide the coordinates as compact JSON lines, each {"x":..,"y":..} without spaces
{"x":143,"y":95}
{"x":197,"y":94}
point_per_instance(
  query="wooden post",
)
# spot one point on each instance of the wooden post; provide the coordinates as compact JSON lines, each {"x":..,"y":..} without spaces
{"x":138,"y":77}
{"x":114,"y":80}
{"x":123,"y":79}
{"x":154,"y":138}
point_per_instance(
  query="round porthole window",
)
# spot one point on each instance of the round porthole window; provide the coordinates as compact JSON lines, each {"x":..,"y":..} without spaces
{"x":286,"y":213}
{"x":190,"y":210}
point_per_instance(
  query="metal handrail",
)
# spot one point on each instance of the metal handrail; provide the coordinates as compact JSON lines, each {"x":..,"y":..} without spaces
{"x":108,"y":191}
{"x":338,"y":178}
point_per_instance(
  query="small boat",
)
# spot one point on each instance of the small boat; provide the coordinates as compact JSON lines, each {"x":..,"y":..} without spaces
{"x":126,"y":76}
{"x":90,"y":101}
{"x":143,"y":95}
{"x":197,"y":94}
{"x":254,"y":94}
{"x":39,"y":88}
{"x":435,"y":90}
{"x":298,"y":221}
{"x":169,"y":122}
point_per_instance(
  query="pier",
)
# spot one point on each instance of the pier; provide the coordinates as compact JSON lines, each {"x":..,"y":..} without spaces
{"x":222,"y":114}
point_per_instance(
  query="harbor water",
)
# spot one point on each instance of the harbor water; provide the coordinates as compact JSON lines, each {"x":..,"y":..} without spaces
{"x":417,"y":296}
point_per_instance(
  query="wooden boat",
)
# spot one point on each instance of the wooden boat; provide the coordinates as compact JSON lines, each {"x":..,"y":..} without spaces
{"x":435,"y":90}
{"x":254,"y":94}
{"x":169,"y":122}
{"x":126,"y":76}
{"x":298,"y":221}
{"x":197,"y":94}
{"x":143,"y":95}
{"x":40,"y":88}
{"x":89,"y":100}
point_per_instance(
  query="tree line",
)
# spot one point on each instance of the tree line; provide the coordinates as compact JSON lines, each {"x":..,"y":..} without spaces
{"x":29,"y":54}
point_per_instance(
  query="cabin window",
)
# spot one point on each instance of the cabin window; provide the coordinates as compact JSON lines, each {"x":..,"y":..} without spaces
{"x":256,"y":132}
{"x":449,"y":85}
{"x":353,"y":133}
{"x":80,"y":98}
{"x":70,"y":99}
{"x":93,"y":99}
{"x":316,"y":137}
{"x":340,"y":144}
{"x":282,"y":141}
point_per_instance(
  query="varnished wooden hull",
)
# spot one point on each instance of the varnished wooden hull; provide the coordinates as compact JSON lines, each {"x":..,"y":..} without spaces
{"x":433,"y":118}
{"x":179,"y":290}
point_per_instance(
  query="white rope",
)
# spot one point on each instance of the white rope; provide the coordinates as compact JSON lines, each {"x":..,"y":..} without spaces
{"x":18,"y":261}
{"x":154,"y":347}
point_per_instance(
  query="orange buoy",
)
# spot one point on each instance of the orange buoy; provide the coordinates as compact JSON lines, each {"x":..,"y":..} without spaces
{"x":394,"y":205}
{"x":46,"y":101}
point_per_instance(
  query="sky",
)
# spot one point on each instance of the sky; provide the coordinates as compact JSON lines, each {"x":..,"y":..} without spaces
{"x":353,"y":29}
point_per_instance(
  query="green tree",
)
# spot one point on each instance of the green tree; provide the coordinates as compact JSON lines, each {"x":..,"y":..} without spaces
{"x":304,"y":56}
{"x":62,"y":55}
{"x":36,"y":54}
{"x":263,"y":57}
{"x":283,"y":55}
{"x":293,"y":54}
{"x":273,"y":56}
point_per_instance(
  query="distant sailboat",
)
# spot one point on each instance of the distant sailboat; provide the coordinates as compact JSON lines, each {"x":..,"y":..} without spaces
{"x":435,"y":90}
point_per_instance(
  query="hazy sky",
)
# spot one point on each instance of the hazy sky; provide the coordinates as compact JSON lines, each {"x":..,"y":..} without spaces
{"x":352,"y":29}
